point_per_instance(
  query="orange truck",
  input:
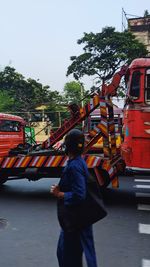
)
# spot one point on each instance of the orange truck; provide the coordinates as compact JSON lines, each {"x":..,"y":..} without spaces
{"x":12,"y":132}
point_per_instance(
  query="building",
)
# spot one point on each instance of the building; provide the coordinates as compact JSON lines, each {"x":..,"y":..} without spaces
{"x":140,"y":27}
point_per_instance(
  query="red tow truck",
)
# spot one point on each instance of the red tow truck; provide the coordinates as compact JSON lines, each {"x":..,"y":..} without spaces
{"x":47,"y":161}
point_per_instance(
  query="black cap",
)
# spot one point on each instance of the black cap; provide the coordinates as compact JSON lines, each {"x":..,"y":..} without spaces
{"x":74,"y":142}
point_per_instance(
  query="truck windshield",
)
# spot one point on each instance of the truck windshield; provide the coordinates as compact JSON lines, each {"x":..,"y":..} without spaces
{"x":135,"y":85}
{"x":9,"y":126}
{"x":147,"y":87}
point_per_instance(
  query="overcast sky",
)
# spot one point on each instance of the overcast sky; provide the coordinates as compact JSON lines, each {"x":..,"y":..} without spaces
{"x":38,"y":37}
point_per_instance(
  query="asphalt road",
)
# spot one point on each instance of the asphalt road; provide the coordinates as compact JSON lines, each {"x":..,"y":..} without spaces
{"x":29,"y":229}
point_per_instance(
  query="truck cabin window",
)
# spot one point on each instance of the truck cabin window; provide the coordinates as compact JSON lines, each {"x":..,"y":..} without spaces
{"x":135,"y":85}
{"x":9,"y":126}
{"x":147,"y":87}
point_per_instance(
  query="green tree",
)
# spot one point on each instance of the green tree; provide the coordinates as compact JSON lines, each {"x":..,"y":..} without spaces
{"x":146,"y":13}
{"x":74,"y":92}
{"x":6,"y":102}
{"x":104,"y":53}
{"x":54,"y":106}
{"x":55,"y":101}
{"x":27,"y":94}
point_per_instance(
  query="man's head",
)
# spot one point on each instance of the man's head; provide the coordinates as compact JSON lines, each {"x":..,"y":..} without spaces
{"x":74,"y":142}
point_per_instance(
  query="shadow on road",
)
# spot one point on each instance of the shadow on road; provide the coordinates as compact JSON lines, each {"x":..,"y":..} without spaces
{"x":20,"y":192}
{"x":123,"y":197}
{"x":24,"y":190}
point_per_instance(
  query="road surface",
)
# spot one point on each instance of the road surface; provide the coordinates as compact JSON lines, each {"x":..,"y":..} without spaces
{"x":29,"y":229}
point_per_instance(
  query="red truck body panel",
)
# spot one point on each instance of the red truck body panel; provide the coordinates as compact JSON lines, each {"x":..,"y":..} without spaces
{"x":11,"y":132}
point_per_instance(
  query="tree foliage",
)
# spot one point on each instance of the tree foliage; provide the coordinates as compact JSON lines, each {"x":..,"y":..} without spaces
{"x":104,"y":53}
{"x":74,"y":92}
{"x":6,"y":102}
{"x":146,"y":13}
{"x":55,"y":101}
{"x":18,"y":94}
{"x":25,"y":94}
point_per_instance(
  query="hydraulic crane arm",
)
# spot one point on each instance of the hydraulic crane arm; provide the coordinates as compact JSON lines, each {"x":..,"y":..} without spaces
{"x":111,"y":89}
{"x":78,"y":115}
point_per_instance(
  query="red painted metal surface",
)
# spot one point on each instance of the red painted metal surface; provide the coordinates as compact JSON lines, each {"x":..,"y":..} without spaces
{"x":11,"y":132}
{"x":136,"y":145}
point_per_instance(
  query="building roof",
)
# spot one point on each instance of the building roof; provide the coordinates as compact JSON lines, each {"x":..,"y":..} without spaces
{"x":139,"y":24}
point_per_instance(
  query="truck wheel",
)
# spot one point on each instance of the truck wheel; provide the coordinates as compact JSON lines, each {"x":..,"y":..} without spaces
{"x":3,"y":180}
{"x":106,"y":178}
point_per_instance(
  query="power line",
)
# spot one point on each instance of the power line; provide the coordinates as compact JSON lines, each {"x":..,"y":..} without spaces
{"x":125,"y":18}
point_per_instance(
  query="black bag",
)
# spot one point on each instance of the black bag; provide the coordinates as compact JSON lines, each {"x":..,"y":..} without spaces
{"x":75,"y":218}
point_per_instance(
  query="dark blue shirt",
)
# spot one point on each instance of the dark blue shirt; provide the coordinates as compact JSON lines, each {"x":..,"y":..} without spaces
{"x":73,"y":181}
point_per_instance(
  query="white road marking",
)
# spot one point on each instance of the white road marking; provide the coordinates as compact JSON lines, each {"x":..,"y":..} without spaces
{"x":138,"y":194}
{"x":142,"y":180}
{"x":145,"y":263}
{"x":143,"y":207}
{"x":144,"y":228}
{"x":145,"y":186}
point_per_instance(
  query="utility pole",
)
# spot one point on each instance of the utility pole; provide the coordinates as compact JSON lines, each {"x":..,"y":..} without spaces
{"x":82,"y":103}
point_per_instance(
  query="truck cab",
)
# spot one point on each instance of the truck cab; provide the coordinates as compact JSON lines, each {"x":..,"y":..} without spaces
{"x":136,"y":121}
{"x":12,"y":132}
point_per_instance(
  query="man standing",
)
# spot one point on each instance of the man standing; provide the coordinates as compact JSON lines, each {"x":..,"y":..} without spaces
{"x":72,"y":191}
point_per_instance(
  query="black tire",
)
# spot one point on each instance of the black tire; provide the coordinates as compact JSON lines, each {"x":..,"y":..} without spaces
{"x":3,"y":180}
{"x":106,"y":178}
